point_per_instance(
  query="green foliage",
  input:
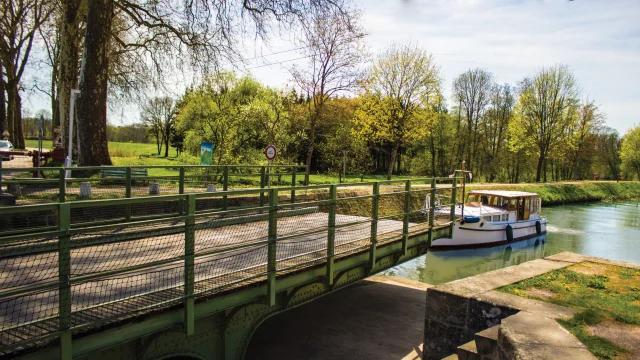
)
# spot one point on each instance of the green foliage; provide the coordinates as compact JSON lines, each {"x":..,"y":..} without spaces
{"x":630,"y":152}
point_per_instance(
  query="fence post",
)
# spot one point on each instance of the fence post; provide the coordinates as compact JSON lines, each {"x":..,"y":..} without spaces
{"x":405,"y":219}
{"x":127,"y":207}
{"x":62,"y":191}
{"x":225,"y":186}
{"x":432,"y":211}
{"x":331,"y":236}
{"x":374,"y":226}
{"x":262,"y":171}
{"x":453,"y":206}
{"x":64,"y":276}
{"x":189,"y":270}
{"x":293,"y":185}
{"x":271,"y":250}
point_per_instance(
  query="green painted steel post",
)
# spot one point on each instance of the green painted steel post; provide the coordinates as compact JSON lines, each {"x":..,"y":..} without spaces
{"x":64,"y":276}
{"x":464,"y":183}
{"x":405,"y":219}
{"x":128,"y":195}
{"x":189,"y":266}
{"x":181,"y":209}
{"x":262,"y":181}
{"x":432,"y":210}
{"x":374,"y":226}
{"x":62,"y":191}
{"x":293,"y":185}
{"x":225,"y":186}
{"x":453,"y":206}
{"x":331,"y":236}
{"x":271,"y":250}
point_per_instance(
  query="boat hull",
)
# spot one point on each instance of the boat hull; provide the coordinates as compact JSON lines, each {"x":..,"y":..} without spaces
{"x":489,"y":234}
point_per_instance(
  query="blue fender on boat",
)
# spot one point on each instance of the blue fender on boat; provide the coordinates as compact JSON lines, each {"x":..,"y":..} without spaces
{"x":509,"y":231}
{"x":472,"y":219}
{"x":538,"y":227}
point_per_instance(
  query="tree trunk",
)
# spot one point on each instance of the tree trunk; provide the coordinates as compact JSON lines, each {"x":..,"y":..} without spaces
{"x":394,"y":153}
{"x":312,"y":142}
{"x":166,"y":144}
{"x":3,"y":101}
{"x":17,"y":120}
{"x":93,"y":149}
{"x":539,"y":169}
{"x":11,"y":104}
{"x":68,"y":63}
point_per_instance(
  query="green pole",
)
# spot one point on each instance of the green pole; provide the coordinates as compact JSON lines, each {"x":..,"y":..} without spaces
{"x":405,"y":219}
{"x":293,"y":184}
{"x":374,"y":226}
{"x":262,"y":178}
{"x":62,"y":191}
{"x":128,"y":195}
{"x":331,"y":236}
{"x":464,"y":183}
{"x":271,"y":250}
{"x":189,"y":266}
{"x":64,"y":275}
{"x":453,"y":205}
{"x":432,"y":210}
{"x":225,"y":186}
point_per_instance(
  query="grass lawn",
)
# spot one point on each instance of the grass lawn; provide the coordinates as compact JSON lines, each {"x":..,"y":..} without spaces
{"x":116,"y":149}
{"x":602,"y":295}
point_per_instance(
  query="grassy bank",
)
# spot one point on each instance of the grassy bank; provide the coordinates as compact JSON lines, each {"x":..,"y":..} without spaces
{"x":567,"y":193}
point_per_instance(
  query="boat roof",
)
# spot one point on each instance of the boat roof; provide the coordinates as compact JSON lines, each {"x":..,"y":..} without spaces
{"x":503,"y":193}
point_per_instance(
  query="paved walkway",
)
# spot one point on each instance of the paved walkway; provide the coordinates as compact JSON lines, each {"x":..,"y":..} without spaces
{"x":378,"y":318}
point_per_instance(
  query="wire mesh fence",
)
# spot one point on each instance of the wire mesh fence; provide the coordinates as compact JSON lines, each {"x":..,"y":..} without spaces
{"x":87,"y":263}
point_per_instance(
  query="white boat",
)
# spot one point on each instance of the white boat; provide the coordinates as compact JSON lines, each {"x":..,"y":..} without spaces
{"x":492,"y":217}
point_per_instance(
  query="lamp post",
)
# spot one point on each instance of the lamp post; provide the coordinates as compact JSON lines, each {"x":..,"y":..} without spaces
{"x":72,"y":101}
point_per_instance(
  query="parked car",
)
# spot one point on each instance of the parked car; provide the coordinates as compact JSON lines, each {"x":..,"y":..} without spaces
{"x":5,"y":145}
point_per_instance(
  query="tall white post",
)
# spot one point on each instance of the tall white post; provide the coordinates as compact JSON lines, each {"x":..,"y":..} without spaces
{"x":68,"y":160}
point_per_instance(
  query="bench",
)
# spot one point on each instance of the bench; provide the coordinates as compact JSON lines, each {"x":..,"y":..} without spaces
{"x":120,"y":173}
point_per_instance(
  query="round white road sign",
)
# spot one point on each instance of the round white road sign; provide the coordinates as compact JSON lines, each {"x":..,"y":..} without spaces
{"x":270,"y":152}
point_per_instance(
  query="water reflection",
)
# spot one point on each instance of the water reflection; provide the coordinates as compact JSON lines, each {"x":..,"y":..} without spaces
{"x":447,"y":265}
{"x":609,"y":230}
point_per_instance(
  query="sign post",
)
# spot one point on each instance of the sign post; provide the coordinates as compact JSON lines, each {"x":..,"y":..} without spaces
{"x":270,"y":152}
{"x":206,"y":157}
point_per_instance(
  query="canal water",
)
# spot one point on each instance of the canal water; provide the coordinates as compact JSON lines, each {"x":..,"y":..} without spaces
{"x":609,"y":230}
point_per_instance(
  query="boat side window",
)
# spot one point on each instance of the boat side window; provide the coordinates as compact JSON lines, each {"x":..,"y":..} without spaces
{"x":496,"y":217}
{"x":531,"y":206}
{"x":485,"y":200}
{"x":505,"y":217}
{"x":512,"y":204}
{"x":487,"y":218}
{"x":495,"y":201}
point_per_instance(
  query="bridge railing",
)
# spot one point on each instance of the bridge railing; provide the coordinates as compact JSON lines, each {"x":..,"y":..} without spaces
{"x":88,"y":265}
{"x":57,"y":184}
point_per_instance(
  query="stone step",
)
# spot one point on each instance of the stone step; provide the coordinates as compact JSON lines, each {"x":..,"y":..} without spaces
{"x":451,"y":357}
{"x":468,"y":351}
{"x":487,"y":343}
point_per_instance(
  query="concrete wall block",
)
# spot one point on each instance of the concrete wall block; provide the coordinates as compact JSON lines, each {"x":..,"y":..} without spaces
{"x":446,"y":307}
{"x":483,"y":315}
{"x":442,"y":339}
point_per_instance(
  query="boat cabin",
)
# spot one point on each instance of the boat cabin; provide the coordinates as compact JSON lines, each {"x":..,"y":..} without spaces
{"x":503,"y":206}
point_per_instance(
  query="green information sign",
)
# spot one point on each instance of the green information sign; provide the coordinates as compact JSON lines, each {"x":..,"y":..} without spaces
{"x":206,"y":153}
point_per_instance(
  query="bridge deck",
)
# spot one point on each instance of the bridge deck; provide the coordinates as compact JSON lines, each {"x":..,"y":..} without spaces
{"x":227,"y":257}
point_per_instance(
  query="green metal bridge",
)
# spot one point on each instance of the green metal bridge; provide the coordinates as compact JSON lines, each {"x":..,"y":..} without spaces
{"x":191,"y":275}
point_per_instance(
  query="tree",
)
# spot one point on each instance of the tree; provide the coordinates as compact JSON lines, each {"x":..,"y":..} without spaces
{"x":399,"y":94}
{"x":158,"y":114}
{"x":472,"y":89}
{"x":204,"y":32}
{"x":333,"y":45}
{"x":549,"y":105}
{"x":19,"y":22}
{"x":630,"y":152}
{"x":495,"y":125}
{"x":608,"y":149}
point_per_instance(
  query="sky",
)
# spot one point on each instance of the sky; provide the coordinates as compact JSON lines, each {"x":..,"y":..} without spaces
{"x":598,"y":39}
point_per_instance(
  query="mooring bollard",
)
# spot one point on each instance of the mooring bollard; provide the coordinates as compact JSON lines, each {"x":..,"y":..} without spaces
{"x":14,"y":189}
{"x":85,"y":190}
{"x":154,"y":189}
{"x":211,"y":188}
